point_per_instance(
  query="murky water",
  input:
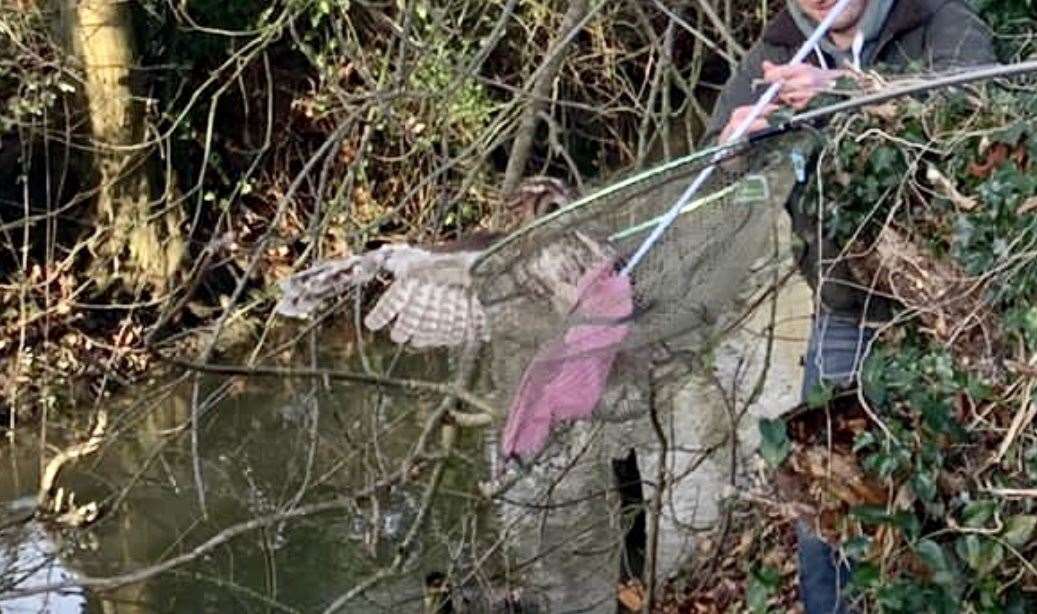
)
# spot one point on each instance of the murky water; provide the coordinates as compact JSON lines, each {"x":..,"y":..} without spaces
{"x":267,"y":446}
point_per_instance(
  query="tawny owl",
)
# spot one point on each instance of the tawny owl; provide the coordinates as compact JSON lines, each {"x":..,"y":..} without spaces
{"x":432,"y":300}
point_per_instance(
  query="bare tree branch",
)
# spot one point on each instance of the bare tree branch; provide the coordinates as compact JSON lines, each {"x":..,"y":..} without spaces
{"x":541,"y":92}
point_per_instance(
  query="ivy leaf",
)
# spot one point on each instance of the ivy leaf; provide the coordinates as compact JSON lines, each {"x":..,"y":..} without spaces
{"x":871,"y":514}
{"x":873,"y":380}
{"x":865,"y":575}
{"x":857,"y":548}
{"x":936,"y":559}
{"x":780,"y":117}
{"x":864,"y":440}
{"x":1019,"y":530}
{"x":977,"y":513}
{"x":762,"y":584}
{"x":1012,"y":134}
{"x":908,"y":523}
{"x":883,"y":158}
{"x":982,"y":555}
{"x":923,"y":484}
{"x":819,"y":395}
{"x":774,"y":444}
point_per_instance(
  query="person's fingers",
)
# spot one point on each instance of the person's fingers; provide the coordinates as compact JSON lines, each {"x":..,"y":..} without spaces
{"x":738,"y":117}
{"x":772,"y":73}
{"x":778,"y":72}
{"x":742,"y":112}
{"x":794,"y":86}
{"x":791,"y":94}
{"x":799,"y":76}
{"x":767,"y":110}
{"x":802,"y":96}
{"x":800,"y":102}
{"x":756,"y":126}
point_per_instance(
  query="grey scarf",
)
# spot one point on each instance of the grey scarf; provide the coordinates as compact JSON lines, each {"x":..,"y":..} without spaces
{"x":870,"y":25}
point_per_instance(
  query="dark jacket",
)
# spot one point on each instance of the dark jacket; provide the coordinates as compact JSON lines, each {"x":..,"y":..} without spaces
{"x":918,"y":35}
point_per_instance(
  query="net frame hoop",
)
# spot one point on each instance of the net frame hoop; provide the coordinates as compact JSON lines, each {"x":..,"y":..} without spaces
{"x":798,"y":121}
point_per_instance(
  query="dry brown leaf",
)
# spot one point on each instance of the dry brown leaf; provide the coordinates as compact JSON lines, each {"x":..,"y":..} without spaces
{"x":631,"y":595}
{"x":949,"y":303}
{"x":841,"y":477}
{"x":995,"y":156}
{"x":887,"y":111}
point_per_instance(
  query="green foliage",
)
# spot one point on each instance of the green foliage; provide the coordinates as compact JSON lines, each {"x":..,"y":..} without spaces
{"x":820,"y":394}
{"x":960,"y":544}
{"x":774,"y":441}
{"x":990,"y":235}
{"x":763,"y":583}
{"x":30,"y":85}
{"x":922,"y":385}
{"x":940,"y":562}
{"x":1019,"y":530}
{"x":982,"y":554}
{"x":1014,"y":21}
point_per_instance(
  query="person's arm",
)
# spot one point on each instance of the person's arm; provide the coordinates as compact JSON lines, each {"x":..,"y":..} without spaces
{"x":957,"y":37}
{"x":738,"y":91}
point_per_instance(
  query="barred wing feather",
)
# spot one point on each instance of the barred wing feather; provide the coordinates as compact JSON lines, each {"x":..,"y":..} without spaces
{"x":303,"y":292}
{"x":431,"y":300}
{"x":429,"y":303}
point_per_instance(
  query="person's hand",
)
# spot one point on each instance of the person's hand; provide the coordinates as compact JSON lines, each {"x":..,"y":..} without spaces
{"x":739,"y":115}
{"x":800,"y":82}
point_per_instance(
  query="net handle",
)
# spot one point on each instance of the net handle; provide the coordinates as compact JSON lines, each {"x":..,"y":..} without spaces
{"x":740,"y":130}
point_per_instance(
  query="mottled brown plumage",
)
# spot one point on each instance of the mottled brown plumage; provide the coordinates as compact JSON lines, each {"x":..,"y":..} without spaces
{"x":432,"y":301}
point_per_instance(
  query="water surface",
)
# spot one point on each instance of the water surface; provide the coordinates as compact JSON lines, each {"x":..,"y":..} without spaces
{"x":267,"y":445}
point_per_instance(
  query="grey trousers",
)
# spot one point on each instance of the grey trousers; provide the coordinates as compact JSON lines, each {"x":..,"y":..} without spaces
{"x":836,"y":351}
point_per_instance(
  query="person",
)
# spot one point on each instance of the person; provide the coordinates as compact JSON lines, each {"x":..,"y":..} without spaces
{"x":884,"y":35}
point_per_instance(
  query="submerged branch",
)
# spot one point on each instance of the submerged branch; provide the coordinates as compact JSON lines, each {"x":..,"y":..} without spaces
{"x":216,"y":541}
{"x":79,"y":450}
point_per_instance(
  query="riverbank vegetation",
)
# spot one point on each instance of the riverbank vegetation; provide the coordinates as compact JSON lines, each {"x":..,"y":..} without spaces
{"x":925,"y":473}
{"x":163,"y":165}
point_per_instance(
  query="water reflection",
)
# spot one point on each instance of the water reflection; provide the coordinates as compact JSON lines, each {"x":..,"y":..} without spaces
{"x":30,"y":557}
{"x":267,"y":446}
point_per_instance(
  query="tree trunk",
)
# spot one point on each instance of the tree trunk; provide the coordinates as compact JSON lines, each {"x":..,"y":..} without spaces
{"x":128,"y":244}
{"x":539,"y":95}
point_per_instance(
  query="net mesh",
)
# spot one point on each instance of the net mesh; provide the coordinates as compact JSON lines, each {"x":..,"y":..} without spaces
{"x":689,"y":282}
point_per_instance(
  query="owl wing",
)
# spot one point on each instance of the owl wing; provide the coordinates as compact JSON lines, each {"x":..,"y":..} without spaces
{"x":304,"y":291}
{"x":431,"y":301}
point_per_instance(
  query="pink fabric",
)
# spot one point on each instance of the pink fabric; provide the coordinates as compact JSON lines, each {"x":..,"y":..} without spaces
{"x":567,"y":378}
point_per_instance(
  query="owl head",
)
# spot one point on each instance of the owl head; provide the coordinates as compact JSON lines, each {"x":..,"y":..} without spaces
{"x":535,"y":197}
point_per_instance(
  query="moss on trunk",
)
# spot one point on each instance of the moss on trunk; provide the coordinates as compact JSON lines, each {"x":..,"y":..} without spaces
{"x":133,"y":242}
